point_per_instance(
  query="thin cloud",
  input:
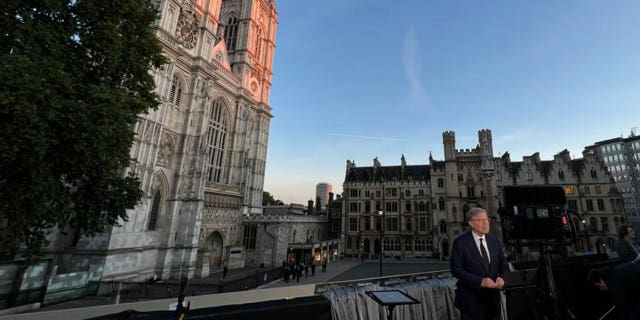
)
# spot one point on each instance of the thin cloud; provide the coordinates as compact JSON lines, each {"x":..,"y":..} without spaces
{"x":365,"y":137}
{"x":412,"y":69}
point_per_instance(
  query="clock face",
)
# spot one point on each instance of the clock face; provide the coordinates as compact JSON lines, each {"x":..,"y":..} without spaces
{"x":186,"y":34}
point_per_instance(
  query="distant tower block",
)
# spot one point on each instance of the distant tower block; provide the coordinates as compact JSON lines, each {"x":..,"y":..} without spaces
{"x":322,"y":192}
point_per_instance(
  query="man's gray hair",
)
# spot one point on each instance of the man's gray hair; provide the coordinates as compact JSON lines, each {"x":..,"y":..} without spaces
{"x":474,"y":212}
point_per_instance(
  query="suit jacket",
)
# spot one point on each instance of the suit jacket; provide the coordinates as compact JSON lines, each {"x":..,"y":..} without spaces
{"x":625,"y":250}
{"x":623,"y":282}
{"x":467,"y":267}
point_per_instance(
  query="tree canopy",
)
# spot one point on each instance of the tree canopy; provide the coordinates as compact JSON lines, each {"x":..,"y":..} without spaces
{"x":268,"y":200}
{"x":75,"y":76}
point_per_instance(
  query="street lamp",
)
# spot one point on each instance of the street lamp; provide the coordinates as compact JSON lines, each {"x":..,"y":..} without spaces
{"x":381,"y":215}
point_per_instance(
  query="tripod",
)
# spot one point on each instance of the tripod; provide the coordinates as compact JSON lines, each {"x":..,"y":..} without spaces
{"x":548,"y":296}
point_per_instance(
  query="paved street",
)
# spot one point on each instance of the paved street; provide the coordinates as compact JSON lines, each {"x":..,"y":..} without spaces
{"x":351,"y":269}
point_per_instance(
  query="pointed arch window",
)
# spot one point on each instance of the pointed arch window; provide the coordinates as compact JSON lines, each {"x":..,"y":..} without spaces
{"x":153,"y":214}
{"x":216,"y":142}
{"x":231,"y":33}
{"x":175,"y":92}
{"x":258,"y":50}
{"x":561,"y":175}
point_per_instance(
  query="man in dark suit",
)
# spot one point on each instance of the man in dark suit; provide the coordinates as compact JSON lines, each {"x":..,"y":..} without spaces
{"x":478,"y":261}
{"x":627,"y":247}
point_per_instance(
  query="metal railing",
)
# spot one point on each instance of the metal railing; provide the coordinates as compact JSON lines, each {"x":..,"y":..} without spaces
{"x":410,"y":277}
{"x":133,"y":291}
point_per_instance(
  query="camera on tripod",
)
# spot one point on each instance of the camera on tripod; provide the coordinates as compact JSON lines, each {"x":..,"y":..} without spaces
{"x":535,"y":215}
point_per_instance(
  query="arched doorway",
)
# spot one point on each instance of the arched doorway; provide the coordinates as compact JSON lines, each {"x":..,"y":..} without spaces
{"x":445,"y":248}
{"x":213,"y":247}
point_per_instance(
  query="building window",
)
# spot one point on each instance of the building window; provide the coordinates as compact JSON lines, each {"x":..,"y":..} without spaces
{"x":593,"y":225}
{"x":594,"y":174}
{"x":377,"y":193}
{"x":408,"y":245}
{"x":354,"y":207}
{"x":175,"y":92}
{"x":422,"y":224}
{"x":392,"y":192}
{"x":587,"y":190}
{"x":570,"y":190}
{"x":440,"y":182}
{"x":407,"y":206}
{"x":407,"y":193}
{"x":250,"y":237}
{"x":353,"y":193}
{"x":409,"y":227}
{"x":589,"y":204}
{"x":600,"y":204}
{"x":421,"y":245}
{"x":420,"y":192}
{"x":258,"y":38}
{"x":460,"y":177}
{"x":429,"y":244}
{"x":367,"y":207}
{"x":367,"y":194}
{"x":498,"y":176}
{"x":422,"y":206}
{"x":153,"y":214}
{"x":231,"y":33}
{"x":454,"y":213}
{"x":441,"y":204}
{"x":353,"y":224}
{"x":391,"y":206}
{"x":443,"y":227}
{"x":572,"y":204}
{"x":367,"y":223}
{"x":561,"y":175}
{"x":529,"y":176}
{"x":392,"y":224}
{"x":598,"y":189}
{"x":216,"y":142}
{"x":471,"y":192}
{"x":605,"y":224}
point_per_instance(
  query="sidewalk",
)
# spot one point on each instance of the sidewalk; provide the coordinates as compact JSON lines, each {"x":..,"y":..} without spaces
{"x":334,"y":268}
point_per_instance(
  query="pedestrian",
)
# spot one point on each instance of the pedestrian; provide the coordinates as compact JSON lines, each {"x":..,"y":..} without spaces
{"x":622,"y":283}
{"x":479,"y":264}
{"x":324,"y":264}
{"x":224,"y":272}
{"x":313,"y":267}
{"x":306,"y":268}
{"x":627,"y":247}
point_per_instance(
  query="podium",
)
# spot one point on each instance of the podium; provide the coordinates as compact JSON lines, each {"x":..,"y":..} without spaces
{"x":390,"y":299}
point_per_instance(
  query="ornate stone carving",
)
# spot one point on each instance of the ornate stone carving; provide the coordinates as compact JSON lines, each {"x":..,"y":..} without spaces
{"x":188,"y":24}
{"x":166,"y":152}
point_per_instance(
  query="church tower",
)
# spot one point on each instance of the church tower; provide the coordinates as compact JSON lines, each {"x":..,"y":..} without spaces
{"x":200,"y":156}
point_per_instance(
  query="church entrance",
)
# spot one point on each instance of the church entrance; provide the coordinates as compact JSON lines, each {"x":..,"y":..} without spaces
{"x":213,"y":247}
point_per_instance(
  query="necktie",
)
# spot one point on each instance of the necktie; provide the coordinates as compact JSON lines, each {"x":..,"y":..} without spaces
{"x":483,"y":253}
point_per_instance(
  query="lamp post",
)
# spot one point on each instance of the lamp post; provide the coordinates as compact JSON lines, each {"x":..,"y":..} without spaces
{"x":381,"y":216}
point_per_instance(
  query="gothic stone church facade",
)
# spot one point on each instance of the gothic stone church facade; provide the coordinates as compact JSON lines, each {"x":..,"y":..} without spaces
{"x":424,"y":205}
{"x":201,"y":154}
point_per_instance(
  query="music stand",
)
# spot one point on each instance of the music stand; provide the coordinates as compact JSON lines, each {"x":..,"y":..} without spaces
{"x":390,"y":299}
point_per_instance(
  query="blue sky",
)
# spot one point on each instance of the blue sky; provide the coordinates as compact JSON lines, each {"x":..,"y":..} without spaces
{"x":358,"y":79}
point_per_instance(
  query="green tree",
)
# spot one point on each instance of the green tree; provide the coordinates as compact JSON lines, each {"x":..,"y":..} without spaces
{"x":268,"y":200}
{"x":75,"y":76}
